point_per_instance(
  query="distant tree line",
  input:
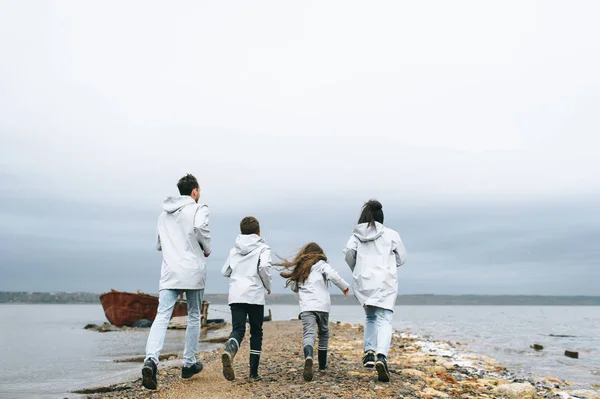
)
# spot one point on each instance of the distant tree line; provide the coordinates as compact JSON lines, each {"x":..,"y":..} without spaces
{"x":48,"y":297}
{"x":340,"y":300}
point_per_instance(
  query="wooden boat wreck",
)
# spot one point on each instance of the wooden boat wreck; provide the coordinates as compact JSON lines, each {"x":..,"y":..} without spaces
{"x":125,"y":308}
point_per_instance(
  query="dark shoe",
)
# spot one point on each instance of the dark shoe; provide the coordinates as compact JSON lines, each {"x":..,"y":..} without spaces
{"x":189,"y":372}
{"x":149,"y":375}
{"x":369,"y":360}
{"x":322,"y":359}
{"x":383,"y":374}
{"x":231,"y":349}
{"x":254,"y":362}
{"x":308,"y":363}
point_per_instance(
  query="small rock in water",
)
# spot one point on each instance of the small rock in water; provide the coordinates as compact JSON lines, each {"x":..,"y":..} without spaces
{"x":143,"y":323}
{"x":537,"y":347}
{"x":572,"y":355}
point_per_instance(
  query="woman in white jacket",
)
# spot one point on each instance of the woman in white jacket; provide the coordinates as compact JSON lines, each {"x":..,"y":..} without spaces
{"x":373,"y":252}
{"x":309,"y":275}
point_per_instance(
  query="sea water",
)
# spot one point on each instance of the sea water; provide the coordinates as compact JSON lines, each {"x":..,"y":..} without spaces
{"x":46,"y":353}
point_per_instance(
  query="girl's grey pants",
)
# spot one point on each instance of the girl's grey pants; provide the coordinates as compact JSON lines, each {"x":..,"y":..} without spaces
{"x":311,"y":322}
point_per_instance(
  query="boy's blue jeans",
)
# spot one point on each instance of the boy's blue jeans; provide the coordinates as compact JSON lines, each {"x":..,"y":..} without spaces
{"x":378,"y":329}
{"x":166,"y":303}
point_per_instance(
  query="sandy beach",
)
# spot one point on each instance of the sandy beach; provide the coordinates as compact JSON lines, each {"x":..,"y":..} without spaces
{"x":420,"y":369}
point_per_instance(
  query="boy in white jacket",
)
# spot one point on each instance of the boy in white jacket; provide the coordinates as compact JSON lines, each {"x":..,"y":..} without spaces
{"x":309,"y":275}
{"x":374,"y":252}
{"x":184,"y":239}
{"x":249,"y":270}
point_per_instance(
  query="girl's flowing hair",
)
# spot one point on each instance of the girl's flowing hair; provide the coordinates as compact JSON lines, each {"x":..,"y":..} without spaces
{"x":297,"y":270}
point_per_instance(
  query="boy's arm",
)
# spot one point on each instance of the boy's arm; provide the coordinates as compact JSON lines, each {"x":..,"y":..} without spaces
{"x":226,"y":269}
{"x":334,"y":277}
{"x":201,"y":230}
{"x":350,"y":252}
{"x":264,"y":268}
{"x":400,"y":252}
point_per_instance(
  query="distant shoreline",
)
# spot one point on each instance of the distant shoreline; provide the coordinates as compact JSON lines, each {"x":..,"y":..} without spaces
{"x":338,"y":300}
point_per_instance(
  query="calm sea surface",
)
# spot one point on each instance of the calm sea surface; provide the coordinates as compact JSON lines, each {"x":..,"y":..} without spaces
{"x":46,"y":353}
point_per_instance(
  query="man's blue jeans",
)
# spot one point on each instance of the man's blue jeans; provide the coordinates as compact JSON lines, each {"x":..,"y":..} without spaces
{"x":378,"y":329}
{"x":166,"y":303}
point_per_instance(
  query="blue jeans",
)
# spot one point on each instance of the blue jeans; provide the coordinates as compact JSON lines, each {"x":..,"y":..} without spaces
{"x":378,"y":329}
{"x":166,"y":303}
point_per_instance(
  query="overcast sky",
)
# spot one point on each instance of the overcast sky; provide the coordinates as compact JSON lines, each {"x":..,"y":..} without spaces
{"x":475,"y":123}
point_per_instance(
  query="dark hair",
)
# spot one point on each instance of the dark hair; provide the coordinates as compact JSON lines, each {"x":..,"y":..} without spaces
{"x":187,"y":184}
{"x":298,"y":269}
{"x":372,"y":212}
{"x":249,"y":225}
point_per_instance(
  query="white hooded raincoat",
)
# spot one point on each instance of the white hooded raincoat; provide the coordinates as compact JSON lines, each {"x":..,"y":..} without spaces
{"x":373,"y":254}
{"x":313,"y":294}
{"x":249,"y":270}
{"x":183,"y":237}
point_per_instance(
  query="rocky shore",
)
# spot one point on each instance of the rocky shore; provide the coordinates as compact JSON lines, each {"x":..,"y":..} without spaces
{"x":420,"y":369}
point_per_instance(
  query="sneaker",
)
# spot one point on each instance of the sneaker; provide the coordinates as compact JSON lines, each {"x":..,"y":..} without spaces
{"x":369,"y":360}
{"x":383,"y":374}
{"x":149,"y":374}
{"x":255,"y":377}
{"x":189,"y":372}
{"x":308,"y":363}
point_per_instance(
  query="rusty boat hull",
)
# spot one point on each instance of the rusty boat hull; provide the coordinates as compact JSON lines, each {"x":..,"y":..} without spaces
{"x":125,"y":308}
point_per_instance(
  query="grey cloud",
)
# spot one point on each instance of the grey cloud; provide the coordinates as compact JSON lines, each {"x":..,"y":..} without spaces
{"x":475,"y":125}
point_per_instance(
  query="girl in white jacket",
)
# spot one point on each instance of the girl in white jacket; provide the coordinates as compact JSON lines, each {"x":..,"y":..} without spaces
{"x":309,"y":275}
{"x":373,"y":252}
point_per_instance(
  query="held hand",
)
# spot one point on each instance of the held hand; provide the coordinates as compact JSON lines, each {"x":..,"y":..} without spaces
{"x":346,"y":291}
{"x":268,"y":292}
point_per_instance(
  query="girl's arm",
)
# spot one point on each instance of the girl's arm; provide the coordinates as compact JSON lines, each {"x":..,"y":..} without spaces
{"x":350,"y":252}
{"x":335,"y":278}
{"x":264,"y":268}
{"x":400,"y":252}
{"x":226,"y":269}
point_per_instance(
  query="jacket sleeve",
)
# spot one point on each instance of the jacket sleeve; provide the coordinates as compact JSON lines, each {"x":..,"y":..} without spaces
{"x":264,"y":268}
{"x":333,"y":276}
{"x":400,"y":252}
{"x":226,"y":269}
{"x":201,"y":230}
{"x":158,"y":244}
{"x":350,"y":252}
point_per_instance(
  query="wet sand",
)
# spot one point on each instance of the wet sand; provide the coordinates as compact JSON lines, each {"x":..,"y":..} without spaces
{"x":419,"y":368}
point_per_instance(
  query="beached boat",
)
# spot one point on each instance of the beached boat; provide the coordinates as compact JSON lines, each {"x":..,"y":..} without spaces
{"x":125,"y":308}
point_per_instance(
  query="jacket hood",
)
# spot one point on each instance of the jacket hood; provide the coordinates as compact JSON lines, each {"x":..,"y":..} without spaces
{"x":365,"y":233}
{"x":173,"y":204}
{"x":246,"y":243}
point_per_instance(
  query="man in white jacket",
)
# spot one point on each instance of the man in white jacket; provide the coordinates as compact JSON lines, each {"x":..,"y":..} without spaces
{"x":184,"y":239}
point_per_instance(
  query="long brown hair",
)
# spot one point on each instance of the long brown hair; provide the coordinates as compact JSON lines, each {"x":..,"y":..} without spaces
{"x":297,"y":270}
